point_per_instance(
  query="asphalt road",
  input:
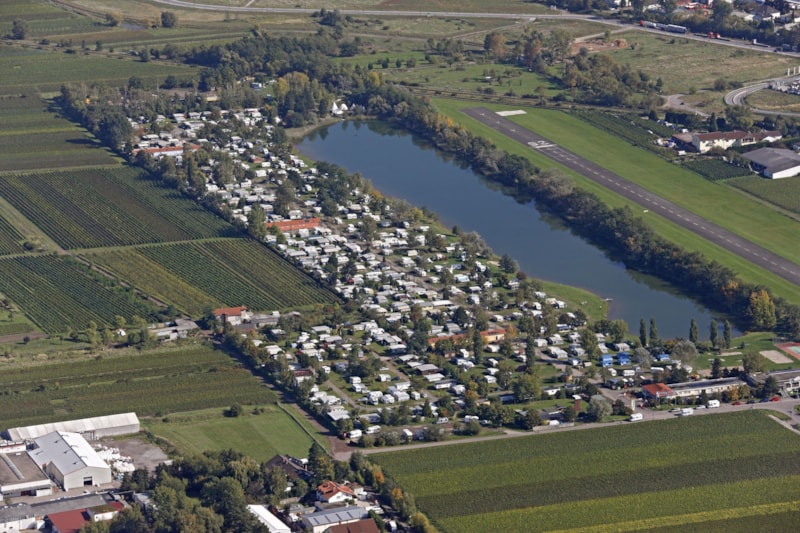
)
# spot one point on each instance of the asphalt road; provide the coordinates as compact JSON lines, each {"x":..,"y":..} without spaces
{"x":738,"y":96}
{"x":651,"y":202}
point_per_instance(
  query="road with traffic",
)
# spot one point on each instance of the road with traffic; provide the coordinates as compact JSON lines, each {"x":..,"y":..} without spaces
{"x":720,"y":236}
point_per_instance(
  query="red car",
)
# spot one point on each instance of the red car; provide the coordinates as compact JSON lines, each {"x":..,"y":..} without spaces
{"x":736,"y":403}
{"x":775,"y":399}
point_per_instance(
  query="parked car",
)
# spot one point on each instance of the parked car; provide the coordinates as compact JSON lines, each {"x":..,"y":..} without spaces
{"x":737,"y":403}
{"x":775,"y":399}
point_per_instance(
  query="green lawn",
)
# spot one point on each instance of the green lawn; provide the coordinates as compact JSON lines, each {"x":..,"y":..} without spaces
{"x":260,"y":436}
{"x":715,"y":202}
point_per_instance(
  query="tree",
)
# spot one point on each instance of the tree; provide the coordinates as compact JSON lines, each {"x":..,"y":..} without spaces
{"x":716,"y":365}
{"x":19,"y":29}
{"x":684,"y":351}
{"x":753,"y":363}
{"x":507,"y":264}
{"x":495,"y":44}
{"x":114,"y":19}
{"x":714,"y":333}
{"x":721,"y":10}
{"x":761,"y":310}
{"x":726,"y":335}
{"x":653,"y":332}
{"x":599,"y":408}
{"x":643,"y":332}
{"x":693,"y":332}
{"x":168,"y":19}
{"x":770,"y":387}
{"x":256,"y":222}
{"x":129,"y":520}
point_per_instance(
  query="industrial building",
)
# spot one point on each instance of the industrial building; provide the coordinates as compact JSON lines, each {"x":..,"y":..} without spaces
{"x":69,"y":460}
{"x":90,"y":428}
{"x":774,"y":163}
{"x":21,"y":476}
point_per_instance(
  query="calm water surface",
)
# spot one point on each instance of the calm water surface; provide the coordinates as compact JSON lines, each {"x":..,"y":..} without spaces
{"x":402,"y":166}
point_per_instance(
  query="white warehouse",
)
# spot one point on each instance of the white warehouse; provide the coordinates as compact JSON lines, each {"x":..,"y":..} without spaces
{"x":70,"y":461}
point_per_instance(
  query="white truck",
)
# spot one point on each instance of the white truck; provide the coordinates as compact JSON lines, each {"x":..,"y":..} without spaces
{"x":635,"y":417}
{"x":713,"y":403}
{"x":686,"y":411}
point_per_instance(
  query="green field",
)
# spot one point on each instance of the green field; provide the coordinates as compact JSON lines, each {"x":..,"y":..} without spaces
{"x":56,"y":292}
{"x":33,"y":137}
{"x":604,"y":477}
{"x":605,"y":149}
{"x":109,"y":206}
{"x":260,"y":436}
{"x":151,"y":383}
{"x":235,"y":272}
{"x":32,"y":71}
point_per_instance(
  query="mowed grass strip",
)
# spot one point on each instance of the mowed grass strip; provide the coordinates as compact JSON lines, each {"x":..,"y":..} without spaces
{"x":513,"y":476}
{"x":260,"y":436}
{"x":674,"y":233}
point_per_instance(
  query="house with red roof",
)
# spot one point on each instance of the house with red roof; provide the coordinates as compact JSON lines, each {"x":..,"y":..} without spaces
{"x":233,"y":315}
{"x":332,"y":492}
{"x":657,"y":391}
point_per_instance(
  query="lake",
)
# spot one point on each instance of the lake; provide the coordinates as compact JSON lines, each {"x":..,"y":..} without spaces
{"x":402,"y":166}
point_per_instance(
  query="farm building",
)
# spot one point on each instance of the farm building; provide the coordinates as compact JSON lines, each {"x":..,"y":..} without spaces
{"x":21,"y":476}
{"x":322,"y":520}
{"x":91,"y":428}
{"x":774,"y":163}
{"x":705,"y":142}
{"x":69,"y":460}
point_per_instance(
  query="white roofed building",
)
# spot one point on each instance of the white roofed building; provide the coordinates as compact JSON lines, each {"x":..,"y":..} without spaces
{"x":92,"y":428}
{"x":69,"y":460}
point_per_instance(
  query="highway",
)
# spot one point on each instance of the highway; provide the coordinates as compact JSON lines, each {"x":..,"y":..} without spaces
{"x":725,"y":239}
{"x":738,"y":96}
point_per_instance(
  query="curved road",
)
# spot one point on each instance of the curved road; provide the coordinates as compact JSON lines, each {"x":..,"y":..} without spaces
{"x":725,"y":239}
{"x":367,"y":12}
{"x":738,"y":96}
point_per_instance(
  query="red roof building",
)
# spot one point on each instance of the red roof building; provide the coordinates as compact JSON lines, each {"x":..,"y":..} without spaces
{"x":332,"y":492}
{"x":657,"y":391}
{"x":294,"y":225}
{"x":73,"y":521}
{"x":367,"y":525}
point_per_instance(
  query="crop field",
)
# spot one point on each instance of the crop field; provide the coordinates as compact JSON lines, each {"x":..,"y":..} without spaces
{"x":57,"y":291}
{"x":32,"y":137}
{"x":235,"y":272}
{"x":603,"y":477}
{"x":784,"y":193}
{"x":109,"y":206}
{"x":151,"y":383}
{"x":260,"y":436}
{"x":10,"y":238}
{"x":32,"y":71}
{"x":716,"y":170}
{"x":154,"y":280}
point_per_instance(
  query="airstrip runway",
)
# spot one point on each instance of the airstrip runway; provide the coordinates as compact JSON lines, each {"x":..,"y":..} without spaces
{"x":725,"y":239}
